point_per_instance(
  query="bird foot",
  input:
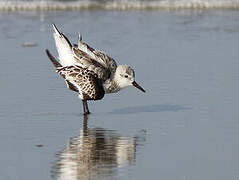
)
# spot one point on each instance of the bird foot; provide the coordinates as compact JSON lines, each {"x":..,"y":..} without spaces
{"x":86,"y":113}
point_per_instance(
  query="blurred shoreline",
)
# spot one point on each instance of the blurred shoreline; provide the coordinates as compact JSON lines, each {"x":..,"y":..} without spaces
{"x":49,"y":5}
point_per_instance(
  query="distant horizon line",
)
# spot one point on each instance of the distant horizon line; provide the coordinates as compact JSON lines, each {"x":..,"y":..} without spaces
{"x":46,"y":5}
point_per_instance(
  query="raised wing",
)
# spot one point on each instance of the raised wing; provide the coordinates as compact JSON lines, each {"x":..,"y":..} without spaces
{"x":64,"y":48}
{"x":80,"y":80}
{"x":83,"y":56}
{"x":98,"y":56}
{"x":86,"y":61}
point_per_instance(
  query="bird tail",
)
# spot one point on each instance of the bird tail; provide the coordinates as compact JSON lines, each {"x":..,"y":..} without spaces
{"x":53,"y":59}
{"x":64,"y":47}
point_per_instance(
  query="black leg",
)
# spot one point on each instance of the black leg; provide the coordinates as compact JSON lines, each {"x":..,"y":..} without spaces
{"x":86,"y":107}
{"x":83,"y":104}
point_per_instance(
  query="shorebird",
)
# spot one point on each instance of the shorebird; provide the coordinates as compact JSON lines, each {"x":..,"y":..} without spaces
{"x":89,"y":72}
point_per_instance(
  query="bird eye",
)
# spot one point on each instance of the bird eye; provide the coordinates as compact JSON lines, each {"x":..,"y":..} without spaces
{"x":126,"y":76}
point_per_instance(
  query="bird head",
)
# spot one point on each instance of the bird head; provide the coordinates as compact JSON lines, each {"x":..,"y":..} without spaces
{"x":125,"y":77}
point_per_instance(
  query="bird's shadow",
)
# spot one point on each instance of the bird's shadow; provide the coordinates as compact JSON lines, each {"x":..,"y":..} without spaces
{"x":150,"y":109}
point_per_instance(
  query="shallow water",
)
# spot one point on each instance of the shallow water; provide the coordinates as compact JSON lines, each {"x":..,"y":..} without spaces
{"x":184,"y":127}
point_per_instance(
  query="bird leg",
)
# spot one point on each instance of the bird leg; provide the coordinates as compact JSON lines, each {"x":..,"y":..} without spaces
{"x":84,"y":110}
{"x":85,"y":107}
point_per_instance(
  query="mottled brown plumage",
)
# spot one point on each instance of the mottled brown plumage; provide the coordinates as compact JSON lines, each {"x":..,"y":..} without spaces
{"x":87,"y":62}
{"x":81,"y":80}
{"x":98,"y":56}
{"x":87,"y":83}
{"x":88,"y":71}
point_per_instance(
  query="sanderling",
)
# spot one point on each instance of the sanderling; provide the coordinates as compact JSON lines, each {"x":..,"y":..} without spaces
{"x":89,"y":72}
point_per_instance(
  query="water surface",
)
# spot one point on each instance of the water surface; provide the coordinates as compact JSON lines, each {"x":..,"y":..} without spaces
{"x":184,"y":127}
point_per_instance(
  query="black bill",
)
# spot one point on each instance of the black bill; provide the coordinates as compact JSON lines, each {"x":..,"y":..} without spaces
{"x":138,"y":86}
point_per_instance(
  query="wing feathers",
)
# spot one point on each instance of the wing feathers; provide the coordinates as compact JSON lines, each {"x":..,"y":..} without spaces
{"x":91,"y":64}
{"x":53,"y":59}
{"x":83,"y":81}
{"x":64,"y":47}
{"x":98,"y":56}
{"x":71,"y":86}
{"x":82,"y":55}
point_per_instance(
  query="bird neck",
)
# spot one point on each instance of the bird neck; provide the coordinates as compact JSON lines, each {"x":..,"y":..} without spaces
{"x":111,"y":85}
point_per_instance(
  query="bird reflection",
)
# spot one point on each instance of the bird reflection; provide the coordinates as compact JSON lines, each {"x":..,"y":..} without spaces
{"x":96,"y":153}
